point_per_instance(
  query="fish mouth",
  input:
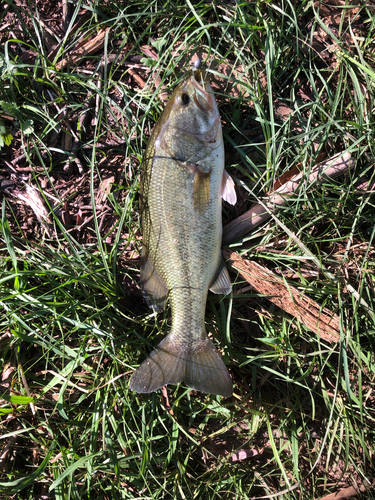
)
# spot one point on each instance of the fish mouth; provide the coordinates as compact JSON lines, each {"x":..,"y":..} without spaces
{"x":203,"y":96}
{"x":201,"y":75}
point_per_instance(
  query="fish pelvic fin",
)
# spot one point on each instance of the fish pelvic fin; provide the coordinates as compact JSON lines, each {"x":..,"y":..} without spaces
{"x":221,"y":282}
{"x":154,"y":288}
{"x":199,"y":366}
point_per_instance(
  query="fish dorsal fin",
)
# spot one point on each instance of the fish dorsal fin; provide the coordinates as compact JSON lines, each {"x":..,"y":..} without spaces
{"x":154,"y":288}
{"x":228,"y":192}
{"x":221,"y":282}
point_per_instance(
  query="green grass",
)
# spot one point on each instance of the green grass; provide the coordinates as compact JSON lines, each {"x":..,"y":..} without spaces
{"x":73,"y":326}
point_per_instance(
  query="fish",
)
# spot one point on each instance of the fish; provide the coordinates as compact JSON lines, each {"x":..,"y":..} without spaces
{"x":182,"y":184}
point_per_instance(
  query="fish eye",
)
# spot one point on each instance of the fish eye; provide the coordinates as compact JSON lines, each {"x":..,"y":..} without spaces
{"x":185,"y":99}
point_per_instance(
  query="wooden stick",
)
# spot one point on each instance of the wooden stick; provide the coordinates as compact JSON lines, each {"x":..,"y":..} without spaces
{"x":67,"y":14}
{"x":260,"y":212}
{"x":349,"y":492}
{"x":321,"y":321}
{"x":86,"y":49}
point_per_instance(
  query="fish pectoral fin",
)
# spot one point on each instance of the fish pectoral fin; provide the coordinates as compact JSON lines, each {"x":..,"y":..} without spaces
{"x":228,"y":192}
{"x":154,"y":288}
{"x":221,"y":282}
{"x":196,"y":168}
{"x":199,"y":366}
{"x":201,"y":190}
{"x":201,"y":183}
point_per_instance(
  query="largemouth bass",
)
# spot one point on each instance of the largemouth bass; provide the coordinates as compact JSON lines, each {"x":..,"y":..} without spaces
{"x":182,"y":183}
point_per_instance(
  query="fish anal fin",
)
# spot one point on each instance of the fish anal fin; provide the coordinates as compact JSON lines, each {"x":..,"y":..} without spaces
{"x":199,"y":366}
{"x":228,"y":191}
{"x":221,"y":282}
{"x":154,"y":288}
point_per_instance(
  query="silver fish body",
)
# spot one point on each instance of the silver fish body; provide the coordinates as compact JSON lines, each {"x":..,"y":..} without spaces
{"x":182,"y":184}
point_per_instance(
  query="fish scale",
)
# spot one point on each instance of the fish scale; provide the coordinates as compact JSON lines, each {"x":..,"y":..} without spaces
{"x":181,"y":188}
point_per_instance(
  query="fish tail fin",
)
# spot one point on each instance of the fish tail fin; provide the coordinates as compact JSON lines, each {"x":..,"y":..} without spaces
{"x":199,"y":366}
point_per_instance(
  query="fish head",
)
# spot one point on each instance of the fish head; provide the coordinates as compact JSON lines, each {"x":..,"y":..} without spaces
{"x":190,"y":128}
{"x":194,"y":107}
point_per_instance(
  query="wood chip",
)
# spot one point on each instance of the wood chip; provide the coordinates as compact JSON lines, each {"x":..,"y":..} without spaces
{"x":6,"y":377}
{"x":104,"y":188}
{"x":67,"y":141}
{"x":320,"y":320}
{"x":137,"y":78}
{"x":243,"y":455}
{"x":165,"y":399}
{"x":33,"y":199}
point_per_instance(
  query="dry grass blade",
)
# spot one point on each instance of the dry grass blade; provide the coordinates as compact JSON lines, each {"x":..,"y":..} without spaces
{"x":307,"y":311}
{"x":260,"y":212}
